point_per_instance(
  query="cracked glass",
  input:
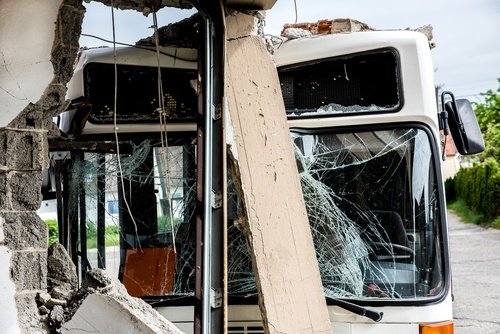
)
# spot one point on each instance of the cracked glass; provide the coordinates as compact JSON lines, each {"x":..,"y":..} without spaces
{"x":144,"y":202}
{"x":371,"y":198}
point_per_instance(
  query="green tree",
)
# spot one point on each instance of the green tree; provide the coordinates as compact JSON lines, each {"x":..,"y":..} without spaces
{"x":488,"y":116}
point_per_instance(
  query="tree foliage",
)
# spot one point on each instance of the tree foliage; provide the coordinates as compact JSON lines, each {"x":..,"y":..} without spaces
{"x":479,"y":187}
{"x":488,"y":116}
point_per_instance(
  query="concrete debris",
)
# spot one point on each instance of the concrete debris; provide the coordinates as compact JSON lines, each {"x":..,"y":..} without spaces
{"x":321,"y":27}
{"x":30,"y":319}
{"x":335,"y":26}
{"x":52,"y":302}
{"x":180,"y":34}
{"x":62,"y":292}
{"x":57,"y":314}
{"x":43,"y":310}
{"x":145,"y":6}
{"x":427,"y":31}
{"x":329,"y":26}
{"x":43,"y":297}
{"x":60,"y":268}
{"x":96,"y":279}
{"x":293,"y":33}
{"x":103,"y":305}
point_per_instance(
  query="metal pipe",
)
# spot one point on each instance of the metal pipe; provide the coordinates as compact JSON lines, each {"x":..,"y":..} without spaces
{"x":207,"y":179}
{"x":101,"y":211}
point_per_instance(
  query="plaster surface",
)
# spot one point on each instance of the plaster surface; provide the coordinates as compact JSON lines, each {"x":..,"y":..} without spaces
{"x":8,"y":316}
{"x":25,"y":53}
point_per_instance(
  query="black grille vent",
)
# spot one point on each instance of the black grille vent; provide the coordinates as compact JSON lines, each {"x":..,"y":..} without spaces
{"x":137,"y":98}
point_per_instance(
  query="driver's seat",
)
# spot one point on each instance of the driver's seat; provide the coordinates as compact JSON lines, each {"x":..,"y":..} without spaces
{"x":391,"y":225}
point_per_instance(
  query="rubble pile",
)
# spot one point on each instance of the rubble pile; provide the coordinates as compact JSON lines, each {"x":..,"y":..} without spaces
{"x":65,"y":308}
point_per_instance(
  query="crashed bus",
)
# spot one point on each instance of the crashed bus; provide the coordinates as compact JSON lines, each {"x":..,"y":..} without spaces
{"x":366,"y":131}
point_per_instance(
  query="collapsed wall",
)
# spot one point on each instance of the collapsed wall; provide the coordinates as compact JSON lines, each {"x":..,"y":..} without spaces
{"x":39,"y":44}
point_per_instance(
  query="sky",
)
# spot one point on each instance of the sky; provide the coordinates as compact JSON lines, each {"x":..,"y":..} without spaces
{"x":466,"y":32}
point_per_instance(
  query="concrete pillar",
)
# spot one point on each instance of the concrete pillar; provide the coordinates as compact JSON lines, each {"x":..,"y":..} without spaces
{"x":275,"y":223}
{"x":23,"y":248}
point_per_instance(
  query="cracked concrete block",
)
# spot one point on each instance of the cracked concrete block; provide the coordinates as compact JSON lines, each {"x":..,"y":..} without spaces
{"x":43,"y":310}
{"x":62,"y":292}
{"x":57,"y":314}
{"x":4,"y":203}
{"x":53,"y":302}
{"x":60,"y":268}
{"x":23,"y":150}
{"x":29,"y":319}
{"x":29,"y":270}
{"x":27,"y":195}
{"x":43,"y":297}
{"x":69,"y":26}
{"x":2,"y":234}
{"x":24,"y":230}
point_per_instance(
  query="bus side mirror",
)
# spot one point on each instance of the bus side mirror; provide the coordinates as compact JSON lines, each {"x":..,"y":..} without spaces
{"x":463,"y":125}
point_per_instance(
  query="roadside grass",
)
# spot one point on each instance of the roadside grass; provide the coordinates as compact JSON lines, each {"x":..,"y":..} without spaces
{"x":470,"y":216}
{"x":111,"y":239}
{"x":111,"y":234}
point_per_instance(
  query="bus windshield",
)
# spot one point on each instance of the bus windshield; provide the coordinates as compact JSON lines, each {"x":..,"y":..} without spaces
{"x":372,"y":202}
{"x":371,"y":198}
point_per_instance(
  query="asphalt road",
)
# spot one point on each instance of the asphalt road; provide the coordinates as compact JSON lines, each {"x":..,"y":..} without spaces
{"x":475,"y":260}
{"x":112,"y":259}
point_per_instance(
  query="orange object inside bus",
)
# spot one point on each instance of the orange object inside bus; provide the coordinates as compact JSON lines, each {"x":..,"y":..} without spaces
{"x":149,"y":271}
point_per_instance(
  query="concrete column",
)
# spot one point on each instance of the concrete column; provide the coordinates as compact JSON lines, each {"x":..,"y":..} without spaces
{"x":275,"y":222}
{"x":23,"y":247}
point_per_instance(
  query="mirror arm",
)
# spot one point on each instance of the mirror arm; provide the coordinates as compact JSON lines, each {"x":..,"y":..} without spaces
{"x":443,"y":115}
{"x":454,"y":106}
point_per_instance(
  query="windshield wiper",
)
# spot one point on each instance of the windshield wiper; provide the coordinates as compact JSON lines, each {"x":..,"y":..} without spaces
{"x":356,"y":309}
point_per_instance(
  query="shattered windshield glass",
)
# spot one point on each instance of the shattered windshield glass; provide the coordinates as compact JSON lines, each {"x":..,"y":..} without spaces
{"x":371,"y":198}
{"x":372,"y":203}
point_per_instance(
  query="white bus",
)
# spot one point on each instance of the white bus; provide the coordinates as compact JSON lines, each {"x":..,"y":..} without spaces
{"x":365,"y":126}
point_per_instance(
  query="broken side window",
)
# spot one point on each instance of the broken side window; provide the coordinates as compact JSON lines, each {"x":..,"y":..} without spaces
{"x":354,"y":84}
{"x":145,"y":201}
